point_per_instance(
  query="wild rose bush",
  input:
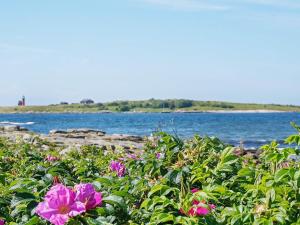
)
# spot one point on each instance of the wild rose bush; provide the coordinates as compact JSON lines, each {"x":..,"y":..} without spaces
{"x":170,"y":181}
{"x":62,"y":203}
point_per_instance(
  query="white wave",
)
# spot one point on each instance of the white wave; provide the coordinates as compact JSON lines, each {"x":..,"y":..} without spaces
{"x":16,"y":123}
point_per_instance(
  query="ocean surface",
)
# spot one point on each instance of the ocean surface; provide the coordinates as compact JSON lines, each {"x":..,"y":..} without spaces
{"x":254,"y":129}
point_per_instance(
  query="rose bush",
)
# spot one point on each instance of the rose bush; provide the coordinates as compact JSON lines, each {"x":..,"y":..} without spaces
{"x":170,"y":181}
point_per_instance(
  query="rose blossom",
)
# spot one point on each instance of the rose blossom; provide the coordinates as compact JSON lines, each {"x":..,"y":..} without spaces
{"x":59,"y":205}
{"x":87,"y":194}
{"x":51,"y":158}
{"x":159,"y":155}
{"x":194,"y":190}
{"x":118,"y":167}
{"x":199,"y":208}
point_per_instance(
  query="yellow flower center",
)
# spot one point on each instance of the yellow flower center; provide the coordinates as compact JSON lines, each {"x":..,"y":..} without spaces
{"x":63,"y":209}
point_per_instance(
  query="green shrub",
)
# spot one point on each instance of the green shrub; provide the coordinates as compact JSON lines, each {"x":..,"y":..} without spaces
{"x":123,"y":108}
{"x":156,"y":189}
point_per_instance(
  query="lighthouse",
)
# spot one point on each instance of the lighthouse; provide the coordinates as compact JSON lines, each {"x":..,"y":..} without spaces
{"x":23,"y":100}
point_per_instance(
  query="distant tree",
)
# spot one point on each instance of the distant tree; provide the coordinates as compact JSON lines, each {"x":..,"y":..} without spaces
{"x":172,"y":105}
{"x":184,"y":103}
{"x":112,"y":104}
{"x":99,"y":104}
{"x":124,"y":103}
{"x":163,"y":104}
{"x":64,"y":103}
{"x":136,"y":105}
{"x":123,"y":108}
{"x":223,"y":105}
{"x":146,"y":105}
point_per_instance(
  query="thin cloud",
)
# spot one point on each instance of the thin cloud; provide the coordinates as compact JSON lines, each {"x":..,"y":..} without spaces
{"x":221,"y":5}
{"x":291,"y":4}
{"x":20,"y":48}
{"x":188,"y":5}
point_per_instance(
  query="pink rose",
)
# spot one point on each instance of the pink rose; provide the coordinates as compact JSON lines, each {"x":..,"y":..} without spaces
{"x":87,"y":194}
{"x":51,"y":158}
{"x":59,"y":205}
{"x":118,"y":167}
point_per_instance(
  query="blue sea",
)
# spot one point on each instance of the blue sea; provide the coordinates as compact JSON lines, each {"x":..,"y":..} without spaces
{"x":254,"y":129}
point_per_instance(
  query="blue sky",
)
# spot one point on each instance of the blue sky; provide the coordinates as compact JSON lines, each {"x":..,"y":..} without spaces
{"x":240,"y":51}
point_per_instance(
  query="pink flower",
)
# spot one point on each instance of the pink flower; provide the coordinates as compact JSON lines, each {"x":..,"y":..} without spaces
{"x":59,"y":205}
{"x":159,"y":155}
{"x":132,"y":156}
{"x":2,"y":222}
{"x":51,"y":158}
{"x":199,"y":208}
{"x":198,"y":211}
{"x":194,"y":190}
{"x":118,"y":167}
{"x":87,"y":194}
{"x":212,"y":206}
{"x":201,"y":211}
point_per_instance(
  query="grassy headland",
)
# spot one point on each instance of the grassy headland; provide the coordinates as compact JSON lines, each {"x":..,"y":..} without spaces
{"x":152,"y":105}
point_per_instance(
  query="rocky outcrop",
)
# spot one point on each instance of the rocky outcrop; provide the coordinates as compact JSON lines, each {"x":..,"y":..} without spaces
{"x":84,"y":131}
{"x":122,"y":137}
{"x":12,"y":128}
{"x":73,"y":138}
{"x":77,"y":133}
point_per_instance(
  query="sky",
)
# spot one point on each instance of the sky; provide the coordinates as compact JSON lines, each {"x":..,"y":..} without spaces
{"x":226,"y":50}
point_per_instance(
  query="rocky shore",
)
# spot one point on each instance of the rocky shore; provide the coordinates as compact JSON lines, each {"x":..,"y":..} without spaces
{"x":73,"y":138}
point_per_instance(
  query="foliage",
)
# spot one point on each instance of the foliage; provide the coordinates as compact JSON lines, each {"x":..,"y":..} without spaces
{"x":151,"y":105}
{"x":156,"y":188}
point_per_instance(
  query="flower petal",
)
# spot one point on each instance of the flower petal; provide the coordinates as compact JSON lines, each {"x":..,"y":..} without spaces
{"x":59,"y":219}
{"x":76,"y":209}
{"x":44,"y":211}
{"x":201,"y":211}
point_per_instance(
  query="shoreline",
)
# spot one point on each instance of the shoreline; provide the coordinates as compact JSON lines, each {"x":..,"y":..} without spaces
{"x":145,"y":112}
{"x":78,"y":137}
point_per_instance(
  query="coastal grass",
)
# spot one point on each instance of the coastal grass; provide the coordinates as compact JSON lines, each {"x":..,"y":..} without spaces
{"x":151,"y":105}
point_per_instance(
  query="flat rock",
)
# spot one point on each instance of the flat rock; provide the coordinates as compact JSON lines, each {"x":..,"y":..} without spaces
{"x":28,"y":137}
{"x":74,"y":138}
{"x":81,"y":131}
{"x":23,"y":129}
{"x":123,"y":137}
{"x":11,"y":128}
{"x":86,"y":131}
{"x":57,"y":132}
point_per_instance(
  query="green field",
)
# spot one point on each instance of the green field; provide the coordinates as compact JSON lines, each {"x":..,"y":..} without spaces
{"x":151,"y":105}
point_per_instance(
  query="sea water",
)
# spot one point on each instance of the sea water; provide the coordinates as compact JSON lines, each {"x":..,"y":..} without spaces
{"x":254,"y":129}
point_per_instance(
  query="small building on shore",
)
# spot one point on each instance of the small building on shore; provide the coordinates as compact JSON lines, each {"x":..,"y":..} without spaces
{"x":87,"y":101}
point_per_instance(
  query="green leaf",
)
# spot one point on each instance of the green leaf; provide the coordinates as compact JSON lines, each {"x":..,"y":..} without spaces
{"x":33,"y":221}
{"x":156,"y":188}
{"x":271,"y":194}
{"x":163,"y":218}
{"x":115,"y":200}
{"x":280,"y":174}
{"x":246,"y":172}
